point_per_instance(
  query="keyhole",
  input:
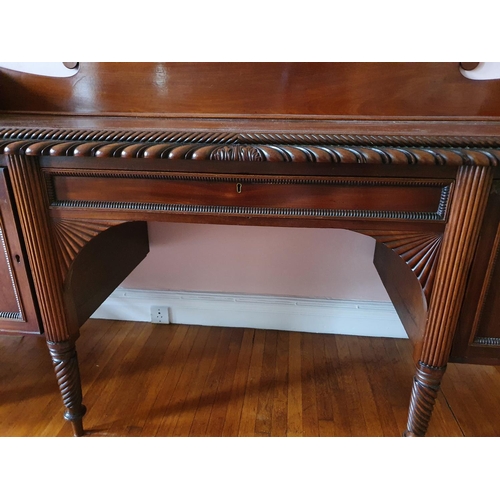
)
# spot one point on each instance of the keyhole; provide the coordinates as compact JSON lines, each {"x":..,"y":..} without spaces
{"x":18,"y":259}
{"x":238,"y":187}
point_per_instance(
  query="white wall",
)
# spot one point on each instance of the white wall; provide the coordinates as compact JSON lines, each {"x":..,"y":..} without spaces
{"x":292,"y":279}
{"x":301,"y":262}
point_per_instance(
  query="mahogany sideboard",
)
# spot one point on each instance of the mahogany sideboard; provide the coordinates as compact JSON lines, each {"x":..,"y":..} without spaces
{"x":405,"y":153}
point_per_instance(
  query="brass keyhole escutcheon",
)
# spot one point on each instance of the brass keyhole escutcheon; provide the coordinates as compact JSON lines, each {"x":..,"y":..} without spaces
{"x":238,"y":187}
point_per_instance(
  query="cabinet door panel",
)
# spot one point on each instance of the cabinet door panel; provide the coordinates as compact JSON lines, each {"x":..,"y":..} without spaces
{"x":478,"y":334}
{"x":9,"y":301}
{"x":17,"y":309}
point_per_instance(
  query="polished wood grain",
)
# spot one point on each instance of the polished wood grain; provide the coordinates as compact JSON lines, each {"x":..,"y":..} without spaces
{"x":18,"y":311}
{"x":108,"y":256}
{"x":256,"y":89}
{"x":478,"y":331}
{"x":141,"y":379}
{"x":249,"y":191}
{"x":405,"y":293}
{"x":467,"y":66}
{"x":296,"y":148}
{"x":459,"y":243}
{"x":472,"y":189}
{"x":419,"y":251}
{"x":58,"y":317}
{"x":349,"y":131}
{"x":31,"y":197}
{"x":405,"y":152}
{"x":84,"y":208}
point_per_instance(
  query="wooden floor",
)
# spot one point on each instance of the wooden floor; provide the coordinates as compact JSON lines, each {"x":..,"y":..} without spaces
{"x":141,"y":379}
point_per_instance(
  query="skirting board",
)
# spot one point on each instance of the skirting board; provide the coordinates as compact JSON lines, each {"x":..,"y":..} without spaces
{"x":373,"y":319}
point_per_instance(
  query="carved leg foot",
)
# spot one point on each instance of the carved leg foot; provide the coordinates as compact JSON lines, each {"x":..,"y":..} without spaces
{"x":68,"y":377}
{"x":423,"y":396}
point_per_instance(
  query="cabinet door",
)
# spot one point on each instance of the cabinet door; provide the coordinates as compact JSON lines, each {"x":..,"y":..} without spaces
{"x":17,"y":308}
{"x":478,"y":334}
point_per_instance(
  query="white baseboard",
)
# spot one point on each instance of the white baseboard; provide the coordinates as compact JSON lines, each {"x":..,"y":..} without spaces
{"x":373,"y":319}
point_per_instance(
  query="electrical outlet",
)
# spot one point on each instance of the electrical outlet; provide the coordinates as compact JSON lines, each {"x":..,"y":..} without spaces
{"x":159,"y":314}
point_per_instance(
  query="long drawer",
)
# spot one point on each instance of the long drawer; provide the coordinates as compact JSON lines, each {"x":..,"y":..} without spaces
{"x":250,"y":194}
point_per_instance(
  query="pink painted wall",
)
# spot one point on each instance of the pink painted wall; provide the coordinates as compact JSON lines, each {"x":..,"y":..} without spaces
{"x":300,"y":262}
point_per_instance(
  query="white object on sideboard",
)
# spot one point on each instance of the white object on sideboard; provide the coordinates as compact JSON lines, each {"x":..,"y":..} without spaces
{"x":483,"y":71}
{"x":54,"y":69}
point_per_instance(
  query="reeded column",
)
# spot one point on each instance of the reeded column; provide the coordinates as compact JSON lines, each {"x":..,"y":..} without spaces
{"x":32,"y":206}
{"x":471,"y":192}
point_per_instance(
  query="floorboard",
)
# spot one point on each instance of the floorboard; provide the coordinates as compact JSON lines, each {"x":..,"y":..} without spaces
{"x":141,"y":379}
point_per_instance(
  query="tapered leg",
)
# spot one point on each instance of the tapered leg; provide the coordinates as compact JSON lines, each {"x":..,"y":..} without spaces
{"x":32,"y":203}
{"x":425,"y":389}
{"x":67,"y":372}
{"x":471,"y":192}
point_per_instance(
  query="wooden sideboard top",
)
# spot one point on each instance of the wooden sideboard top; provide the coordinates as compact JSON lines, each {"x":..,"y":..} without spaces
{"x":257,"y":90}
{"x":281,"y":100}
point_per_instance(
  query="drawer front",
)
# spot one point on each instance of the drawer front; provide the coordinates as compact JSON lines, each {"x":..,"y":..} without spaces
{"x":17,"y":309}
{"x":255,"y":195}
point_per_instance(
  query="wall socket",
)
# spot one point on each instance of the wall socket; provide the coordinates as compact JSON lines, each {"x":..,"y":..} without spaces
{"x":159,"y":314}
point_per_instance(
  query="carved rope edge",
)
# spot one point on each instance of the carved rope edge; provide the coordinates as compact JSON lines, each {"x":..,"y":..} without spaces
{"x":397,"y":150}
{"x":158,"y":136}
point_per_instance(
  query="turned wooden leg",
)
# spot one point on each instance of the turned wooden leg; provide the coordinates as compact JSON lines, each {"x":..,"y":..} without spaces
{"x":30,"y":192}
{"x":423,"y":396}
{"x":67,"y":372}
{"x":471,"y":191}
